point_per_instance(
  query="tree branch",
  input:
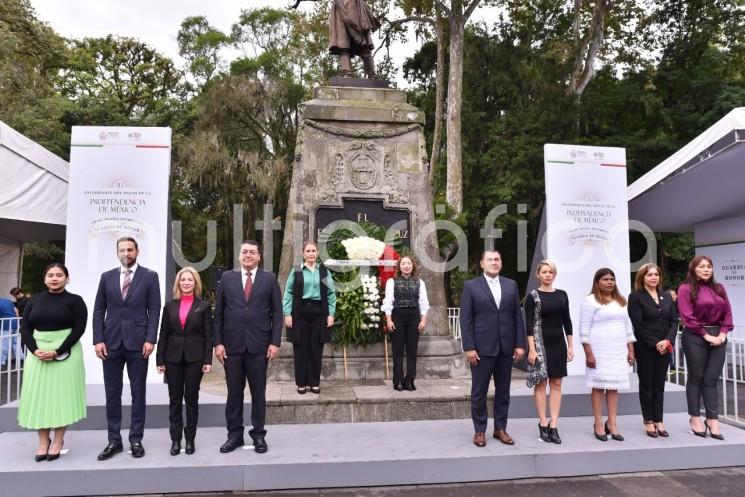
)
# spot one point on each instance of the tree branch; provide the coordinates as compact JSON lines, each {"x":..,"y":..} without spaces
{"x":470,"y":8}
{"x":444,"y":7}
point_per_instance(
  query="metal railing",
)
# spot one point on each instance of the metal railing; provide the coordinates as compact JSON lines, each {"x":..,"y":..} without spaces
{"x":732,"y":377}
{"x":11,"y":359}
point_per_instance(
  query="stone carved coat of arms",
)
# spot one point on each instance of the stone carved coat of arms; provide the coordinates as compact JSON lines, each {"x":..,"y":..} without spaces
{"x":364,"y":161}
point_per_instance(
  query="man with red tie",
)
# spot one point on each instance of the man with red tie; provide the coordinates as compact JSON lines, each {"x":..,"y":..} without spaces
{"x":247,"y":335}
{"x":125,"y":329}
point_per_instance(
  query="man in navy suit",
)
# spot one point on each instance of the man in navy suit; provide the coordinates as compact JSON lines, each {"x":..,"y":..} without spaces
{"x":493,"y":335}
{"x":125,"y":324}
{"x":247,"y":335}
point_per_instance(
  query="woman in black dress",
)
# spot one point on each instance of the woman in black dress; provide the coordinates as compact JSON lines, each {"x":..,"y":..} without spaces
{"x":655,"y":319}
{"x":547,"y":321}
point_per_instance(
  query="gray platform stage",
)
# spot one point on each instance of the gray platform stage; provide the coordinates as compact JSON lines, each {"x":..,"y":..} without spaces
{"x":341,"y":402}
{"x":357,"y":454}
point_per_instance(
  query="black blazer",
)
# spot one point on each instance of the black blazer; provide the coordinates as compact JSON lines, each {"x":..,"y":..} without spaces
{"x":652,"y":322}
{"x":250,"y":326}
{"x":193,"y":342}
{"x":486,"y":328}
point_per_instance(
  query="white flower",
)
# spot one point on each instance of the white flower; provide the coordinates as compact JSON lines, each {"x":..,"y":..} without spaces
{"x":363,"y":247}
{"x":364,"y":326}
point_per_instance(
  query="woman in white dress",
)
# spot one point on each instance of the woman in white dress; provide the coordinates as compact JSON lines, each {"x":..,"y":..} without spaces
{"x":607,"y":337}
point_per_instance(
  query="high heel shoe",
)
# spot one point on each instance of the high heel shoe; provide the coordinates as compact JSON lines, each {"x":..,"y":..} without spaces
{"x":651,"y":433}
{"x":718,"y":436}
{"x":615,"y":436}
{"x":661,"y":432}
{"x":43,"y":457}
{"x":543,"y":433}
{"x":602,"y":437}
{"x":553,"y":435}
{"x":52,"y":457}
{"x":701,"y":434}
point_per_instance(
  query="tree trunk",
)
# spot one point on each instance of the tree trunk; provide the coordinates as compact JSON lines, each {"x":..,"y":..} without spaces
{"x":434,"y":157}
{"x":587,"y":48}
{"x":454,"y":189}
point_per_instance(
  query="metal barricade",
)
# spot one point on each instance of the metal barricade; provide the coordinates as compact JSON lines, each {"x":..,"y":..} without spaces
{"x":12,"y":354}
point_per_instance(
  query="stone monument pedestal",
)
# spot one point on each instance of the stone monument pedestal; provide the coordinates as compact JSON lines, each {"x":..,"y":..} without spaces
{"x":360,"y":156}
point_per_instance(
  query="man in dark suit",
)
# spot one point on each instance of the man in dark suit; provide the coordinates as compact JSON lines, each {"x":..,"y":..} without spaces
{"x":125,"y":328}
{"x":248,"y":331}
{"x":493,"y":335}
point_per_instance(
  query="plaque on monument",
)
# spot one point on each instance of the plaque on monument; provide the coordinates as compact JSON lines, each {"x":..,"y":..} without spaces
{"x":366,"y":211}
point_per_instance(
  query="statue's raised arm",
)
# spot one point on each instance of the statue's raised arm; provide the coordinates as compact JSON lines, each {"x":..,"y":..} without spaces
{"x":351,"y":25}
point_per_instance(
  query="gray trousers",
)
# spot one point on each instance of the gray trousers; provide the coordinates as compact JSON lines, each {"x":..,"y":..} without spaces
{"x":704,"y":364}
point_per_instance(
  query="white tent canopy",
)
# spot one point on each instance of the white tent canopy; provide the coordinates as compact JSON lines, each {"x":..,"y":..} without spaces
{"x":701,"y":182}
{"x":33,"y":199}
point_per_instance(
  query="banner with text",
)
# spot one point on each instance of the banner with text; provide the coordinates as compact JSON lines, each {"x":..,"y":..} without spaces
{"x":729,"y":270}
{"x":119,"y":179}
{"x":587,"y":223}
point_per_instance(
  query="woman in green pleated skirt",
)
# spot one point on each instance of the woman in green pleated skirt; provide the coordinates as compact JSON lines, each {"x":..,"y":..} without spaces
{"x":53,"y":389}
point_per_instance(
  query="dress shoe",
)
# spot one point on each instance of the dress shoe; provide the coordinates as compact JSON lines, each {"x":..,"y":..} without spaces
{"x":315,"y":390}
{"x":260,"y":445}
{"x":43,"y":457}
{"x":717,"y":436}
{"x":138,"y":450}
{"x":479,"y":439}
{"x":503,"y":437}
{"x":110,"y":451}
{"x":189,"y":449}
{"x":231,"y":444}
{"x":602,"y":436}
{"x":175,"y":447}
{"x":650,"y":433}
{"x":553,"y":435}
{"x":543,"y":433}
{"x":615,"y":436}
{"x":398,"y":386}
{"x":409,"y":385}
{"x":701,"y":434}
{"x":301,"y":390}
{"x":53,"y":457}
{"x":661,"y":432}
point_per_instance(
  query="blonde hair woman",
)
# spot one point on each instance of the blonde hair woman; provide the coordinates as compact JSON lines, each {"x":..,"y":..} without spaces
{"x":548,"y":327}
{"x":184,"y":354}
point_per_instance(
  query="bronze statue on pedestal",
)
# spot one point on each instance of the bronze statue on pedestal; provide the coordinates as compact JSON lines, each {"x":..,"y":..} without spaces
{"x":351,"y":25}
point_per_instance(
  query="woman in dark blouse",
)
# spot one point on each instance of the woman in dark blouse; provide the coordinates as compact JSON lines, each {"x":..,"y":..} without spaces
{"x":184,"y":354}
{"x":706,"y":314}
{"x":547,"y":321}
{"x":655,"y":320}
{"x":53,"y":390}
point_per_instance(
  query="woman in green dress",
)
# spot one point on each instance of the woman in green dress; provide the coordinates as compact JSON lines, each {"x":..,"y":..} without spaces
{"x":53,"y":389}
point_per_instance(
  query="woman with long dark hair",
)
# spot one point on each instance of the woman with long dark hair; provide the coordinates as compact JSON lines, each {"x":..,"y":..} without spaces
{"x":184,"y":354}
{"x":53,"y":390}
{"x":655,"y":321}
{"x":405,"y":305}
{"x":309,"y":306}
{"x":706,"y":314}
{"x":607,"y":338}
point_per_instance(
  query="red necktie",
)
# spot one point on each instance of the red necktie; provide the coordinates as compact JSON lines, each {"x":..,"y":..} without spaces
{"x":125,"y":284}
{"x":247,"y":287}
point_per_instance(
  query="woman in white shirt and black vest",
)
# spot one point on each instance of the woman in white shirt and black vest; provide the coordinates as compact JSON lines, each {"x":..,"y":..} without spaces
{"x":405,"y":306}
{"x":309,"y":305}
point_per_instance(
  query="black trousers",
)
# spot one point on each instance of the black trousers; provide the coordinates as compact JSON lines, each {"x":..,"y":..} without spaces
{"x":308,"y":346}
{"x":113,"y":371}
{"x":500,"y":368}
{"x":238,"y":369}
{"x":405,"y":341}
{"x":183,"y":380}
{"x":704,"y":364}
{"x":651,"y":367}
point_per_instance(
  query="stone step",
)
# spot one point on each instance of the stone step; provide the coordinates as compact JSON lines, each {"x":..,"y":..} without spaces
{"x":352,"y":402}
{"x":357,"y":455}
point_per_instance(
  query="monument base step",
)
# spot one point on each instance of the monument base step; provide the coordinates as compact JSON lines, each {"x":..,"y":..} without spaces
{"x":437,"y":357}
{"x":357,"y":455}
